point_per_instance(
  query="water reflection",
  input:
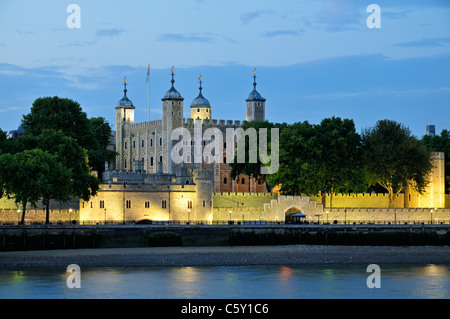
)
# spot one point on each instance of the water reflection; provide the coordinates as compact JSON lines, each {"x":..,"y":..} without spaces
{"x":251,"y":282}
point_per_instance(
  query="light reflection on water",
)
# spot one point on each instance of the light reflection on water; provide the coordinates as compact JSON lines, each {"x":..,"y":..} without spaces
{"x":249,"y":282}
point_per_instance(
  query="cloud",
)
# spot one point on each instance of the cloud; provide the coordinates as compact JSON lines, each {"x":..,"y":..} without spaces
{"x":431,"y":42}
{"x":178,"y":37}
{"x":9,"y":109}
{"x":24,"y":32}
{"x":277,"y":33}
{"x":248,"y":17}
{"x":102,"y":33}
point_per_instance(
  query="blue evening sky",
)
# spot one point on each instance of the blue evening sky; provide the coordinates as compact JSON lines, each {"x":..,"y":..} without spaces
{"x":314,"y":58}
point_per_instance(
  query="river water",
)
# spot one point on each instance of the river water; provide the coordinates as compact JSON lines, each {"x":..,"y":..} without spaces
{"x":249,"y":282}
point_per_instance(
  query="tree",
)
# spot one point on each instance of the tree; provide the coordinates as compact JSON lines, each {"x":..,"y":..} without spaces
{"x":440,"y":143}
{"x":82,"y":184}
{"x":34,"y":174}
{"x":340,"y":156}
{"x":98,"y":152}
{"x":3,"y":142}
{"x":298,"y":164}
{"x":66,"y":115}
{"x":249,"y":167}
{"x":395,"y":159}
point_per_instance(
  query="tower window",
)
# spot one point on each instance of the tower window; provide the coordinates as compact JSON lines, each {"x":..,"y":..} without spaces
{"x":243,"y":181}
{"x":225,"y":180}
{"x":142,"y":143}
{"x":128,"y":203}
{"x":147,"y":204}
{"x":102,"y":204}
{"x":160,"y":159}
{"x":198,"y":110}
{"x":204,"y":203}
{"x":134,"y":144}
{"x":151,"y":161}
{"x":125,"y":146}
{"x":189,"y":204}
{"x":164,"y":204}
{"x":151,"y":142}
{"x":160,"y":141}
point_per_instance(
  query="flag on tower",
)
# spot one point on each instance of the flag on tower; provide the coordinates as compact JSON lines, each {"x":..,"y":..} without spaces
{"x":148,"y":73}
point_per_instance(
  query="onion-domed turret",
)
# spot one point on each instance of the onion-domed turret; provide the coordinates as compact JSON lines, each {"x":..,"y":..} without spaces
{"x":256,"y":104}
{"x":125,"y":102}
{"x":200,"y":106}
{"x":172,"y":94}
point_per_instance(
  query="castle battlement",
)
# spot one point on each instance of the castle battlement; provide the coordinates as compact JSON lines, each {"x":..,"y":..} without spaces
{"x":143,"y":124}
{"x":249,"y":195}
{"x":189,"y":123}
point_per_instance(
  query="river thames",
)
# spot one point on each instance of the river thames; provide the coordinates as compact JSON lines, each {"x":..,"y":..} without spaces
{"x":229,"y":282}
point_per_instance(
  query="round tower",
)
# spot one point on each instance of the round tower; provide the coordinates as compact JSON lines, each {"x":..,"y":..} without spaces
{"x":200,"y":107}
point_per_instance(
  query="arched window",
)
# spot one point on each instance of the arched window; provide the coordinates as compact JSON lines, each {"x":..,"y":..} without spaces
{"x":225,"y":180}
{"x":187,"y":182}
{"x":243,"y":181}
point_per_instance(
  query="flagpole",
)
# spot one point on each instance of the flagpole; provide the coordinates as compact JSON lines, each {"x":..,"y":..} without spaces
{"x":148,"y":80}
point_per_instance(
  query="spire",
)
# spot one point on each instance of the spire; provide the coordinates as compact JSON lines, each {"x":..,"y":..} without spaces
{"x":125,"y":86}
{"x":125,"y":102}
{"x":254,"y":95}
{"x":200,"y":81}
{"x":173,"y":74}
{"x":172,"y":93}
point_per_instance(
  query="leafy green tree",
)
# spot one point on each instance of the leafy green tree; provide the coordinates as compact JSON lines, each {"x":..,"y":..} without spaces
{"x":252,"y":168}
{"x":98,"y":153}
{"x":298,"y":160}
{"x":3,"y":142}
{"x":67,"y":116}
{"x":440,"y":143}
{"x":339,"y":157}
{"x":71,"y":155}
{"x":395,"y":159}
{"x":34,"y":174}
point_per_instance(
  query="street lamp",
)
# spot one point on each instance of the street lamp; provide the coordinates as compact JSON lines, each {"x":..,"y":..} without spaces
{"x":189,"y":215}
{"x":230,"y":218}
{"x":431,"y":218}
{"x":70,"y":216}
{"x":327,"y":217}
{"x":105,"y":216}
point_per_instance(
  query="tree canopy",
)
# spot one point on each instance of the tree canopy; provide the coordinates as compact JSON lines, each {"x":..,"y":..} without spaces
{"x":395,"y":159}
{"x":312,"y":158}
{"x":34,"y":174}
{"x":66,"y":115}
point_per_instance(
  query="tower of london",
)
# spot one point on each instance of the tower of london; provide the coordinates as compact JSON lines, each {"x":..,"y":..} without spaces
{"x":145,"y":182}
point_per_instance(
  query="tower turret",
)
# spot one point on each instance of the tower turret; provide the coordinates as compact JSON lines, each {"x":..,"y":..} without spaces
{"x":124,"y":115}
{"x":172,"y":119}
{"x":200,"y":107}
{"x":256,"y":104}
